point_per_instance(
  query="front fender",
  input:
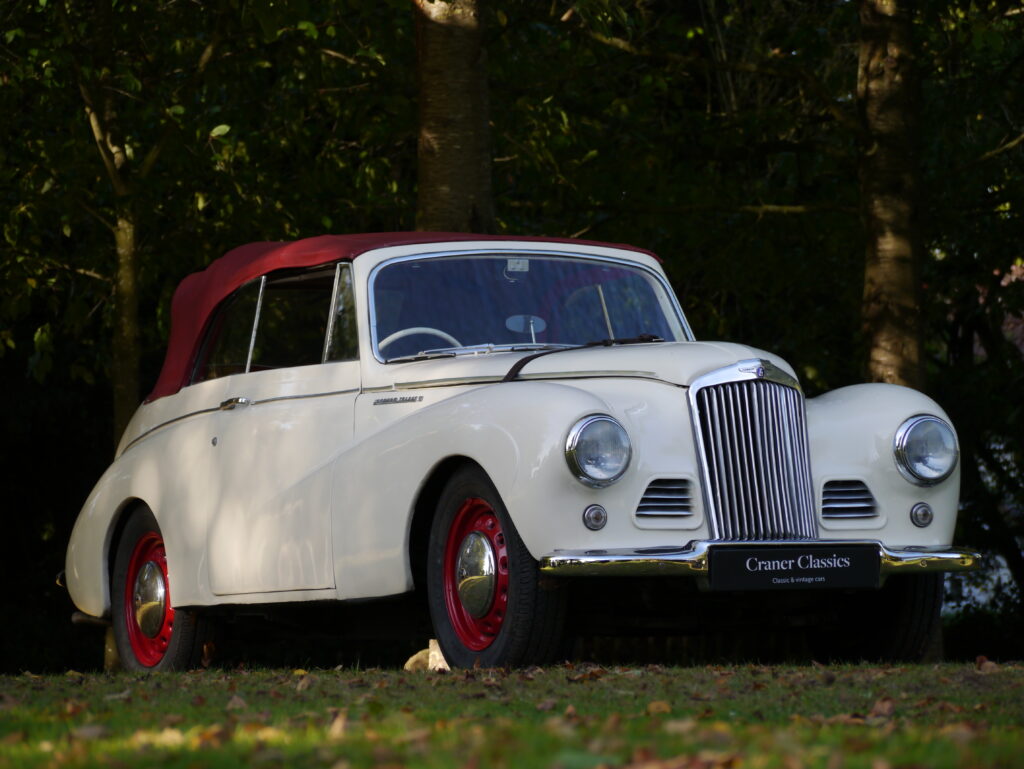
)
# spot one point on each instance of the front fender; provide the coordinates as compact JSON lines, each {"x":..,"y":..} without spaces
{"x":851,"y":433}
{"x":512,"y":430}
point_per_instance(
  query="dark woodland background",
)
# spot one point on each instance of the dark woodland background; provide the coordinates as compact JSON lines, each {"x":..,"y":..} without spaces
{"x":839,"y":181}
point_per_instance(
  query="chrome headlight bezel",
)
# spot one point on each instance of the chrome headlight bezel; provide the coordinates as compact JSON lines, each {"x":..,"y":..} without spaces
{"x":579,"y":466}
{"x":903,"y":453}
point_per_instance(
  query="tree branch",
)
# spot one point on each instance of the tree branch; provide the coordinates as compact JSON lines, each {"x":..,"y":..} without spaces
{"x":1004,"y":147}
{"x":812,"y":84}
{"x":759,"y":209}
{"x":100,"y":131}
{"x":169,"y":126}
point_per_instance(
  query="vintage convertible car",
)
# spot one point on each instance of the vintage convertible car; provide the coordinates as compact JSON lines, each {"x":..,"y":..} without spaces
{"x":509,"y":428}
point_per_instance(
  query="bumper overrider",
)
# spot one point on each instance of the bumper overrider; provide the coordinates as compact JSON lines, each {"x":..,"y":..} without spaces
{"x":760,"y":565}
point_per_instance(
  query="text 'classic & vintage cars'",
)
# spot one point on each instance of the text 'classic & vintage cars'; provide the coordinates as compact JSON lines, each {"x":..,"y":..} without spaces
{"x":523,"y":436}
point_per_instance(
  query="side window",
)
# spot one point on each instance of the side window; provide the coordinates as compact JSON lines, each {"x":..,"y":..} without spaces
{"x":293,"y":319}
{"x":226,"y":348}
{"x":291,"y":312}
{"x":343,"y":343}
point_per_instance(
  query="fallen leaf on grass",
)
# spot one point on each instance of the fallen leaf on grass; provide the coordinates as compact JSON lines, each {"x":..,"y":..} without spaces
{"x":339,"y":725}
{"x":236,"y":703}
{"x":90,"y":732}
{"x":984,"y":665}
{"x":13,"y":738}
{"x":165,"y":738}
{"x":546,"y":705}
{"x":883,"y":708}
{"x":72,"y":708}
{"x":589,"y":674}
{"x":213,"y":736}
{"x":416,"y":735}
{"x":304,"y":683}
{"x":680,"y":726}
{"x":658,"y":707}
{"x":125,"y":696}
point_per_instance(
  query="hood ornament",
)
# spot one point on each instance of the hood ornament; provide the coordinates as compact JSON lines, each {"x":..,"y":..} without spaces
{"x":757,"y":370}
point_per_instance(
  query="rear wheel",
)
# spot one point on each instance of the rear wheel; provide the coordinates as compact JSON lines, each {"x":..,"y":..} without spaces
{"x":149,"y":632}
{"x":488,"y":603}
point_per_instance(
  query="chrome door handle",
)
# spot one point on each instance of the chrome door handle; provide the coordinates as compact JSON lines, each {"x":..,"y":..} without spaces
{"x":230,"y":403}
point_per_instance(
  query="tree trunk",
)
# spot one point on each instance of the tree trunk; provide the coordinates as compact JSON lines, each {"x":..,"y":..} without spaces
{"x":126,"y":352}
{"x":888,"y":105}
{"x":454,"y":149}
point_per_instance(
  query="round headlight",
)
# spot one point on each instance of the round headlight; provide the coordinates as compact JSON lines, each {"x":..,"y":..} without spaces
{"x":598,"y":450}
{"x":925,"y":449}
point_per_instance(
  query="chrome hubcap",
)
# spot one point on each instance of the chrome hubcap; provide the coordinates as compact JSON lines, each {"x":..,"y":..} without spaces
{"x":475,"y":574}
{"x":149,"y":599}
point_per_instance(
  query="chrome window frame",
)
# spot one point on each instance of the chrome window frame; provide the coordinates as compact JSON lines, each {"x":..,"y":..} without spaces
{"x":512,"y":252}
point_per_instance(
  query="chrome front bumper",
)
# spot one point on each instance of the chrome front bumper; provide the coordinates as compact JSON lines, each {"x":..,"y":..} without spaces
{"x":692,"y":560}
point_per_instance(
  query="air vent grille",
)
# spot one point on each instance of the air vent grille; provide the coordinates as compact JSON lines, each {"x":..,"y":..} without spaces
{"x":847,"y":499}
{"x":666,"y":498}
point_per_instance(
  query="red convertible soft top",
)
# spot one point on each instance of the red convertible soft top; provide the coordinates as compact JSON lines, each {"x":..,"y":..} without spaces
{"x":199,"y":293}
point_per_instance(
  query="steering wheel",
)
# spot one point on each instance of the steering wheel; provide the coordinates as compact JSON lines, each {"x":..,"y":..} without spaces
{"x":403,"y":333}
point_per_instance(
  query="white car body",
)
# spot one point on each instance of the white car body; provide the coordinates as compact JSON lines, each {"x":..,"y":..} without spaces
{"x":305,"y":483}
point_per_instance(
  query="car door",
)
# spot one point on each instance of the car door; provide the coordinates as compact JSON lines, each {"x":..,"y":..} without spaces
{"x":284,"y":416}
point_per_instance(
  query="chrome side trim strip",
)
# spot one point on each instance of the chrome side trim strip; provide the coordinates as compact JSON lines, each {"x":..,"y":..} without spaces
{"x":692,"y":559}
{"x":479,"y":380}
{"x":277,"y":398}
{"x":224,"y":407}
{"x":160,"y":426}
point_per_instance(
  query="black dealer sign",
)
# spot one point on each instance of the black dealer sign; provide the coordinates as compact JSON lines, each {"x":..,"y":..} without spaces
{"x":793,"y":567}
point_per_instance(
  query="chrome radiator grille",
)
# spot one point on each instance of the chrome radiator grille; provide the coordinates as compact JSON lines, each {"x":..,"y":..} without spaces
{"x":752,"y":437}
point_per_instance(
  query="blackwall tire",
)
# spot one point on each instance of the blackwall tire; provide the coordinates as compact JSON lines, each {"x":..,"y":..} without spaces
{"x":150,"y":634}
{"x":500,"y":612}
{"x":901,"y":622}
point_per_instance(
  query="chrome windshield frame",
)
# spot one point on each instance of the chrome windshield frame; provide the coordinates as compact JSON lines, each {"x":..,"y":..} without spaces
{"x":500,"y":252}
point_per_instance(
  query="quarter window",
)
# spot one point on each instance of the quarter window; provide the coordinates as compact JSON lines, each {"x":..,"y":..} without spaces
{"x":226,"y":348}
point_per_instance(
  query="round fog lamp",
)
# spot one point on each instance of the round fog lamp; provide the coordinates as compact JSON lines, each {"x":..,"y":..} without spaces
{"x":595,"y":517}
{"x":925,"y":450}
{"x":598,"y":450}
{"x":921,"y":515}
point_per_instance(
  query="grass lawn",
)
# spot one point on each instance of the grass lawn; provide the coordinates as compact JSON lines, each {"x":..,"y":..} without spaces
{"x":571,"y":716}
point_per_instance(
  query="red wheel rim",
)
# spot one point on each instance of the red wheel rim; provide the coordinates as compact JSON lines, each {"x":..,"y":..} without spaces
{"x":476,"y":516}
{"x":148,"y":649}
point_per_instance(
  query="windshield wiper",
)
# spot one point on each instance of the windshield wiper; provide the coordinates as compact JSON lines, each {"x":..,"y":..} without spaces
{"x":521,"y":363}
{"x":477,"y":349}
{"x":426,"y":355}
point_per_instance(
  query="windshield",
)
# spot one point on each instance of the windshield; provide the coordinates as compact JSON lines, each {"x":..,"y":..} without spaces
{"x":520,"y":300}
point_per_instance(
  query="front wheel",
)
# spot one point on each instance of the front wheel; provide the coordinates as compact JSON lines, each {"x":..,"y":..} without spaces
{"x":149,"y":632}
{"x":901,"y":622}
{"x":488,"y":603}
